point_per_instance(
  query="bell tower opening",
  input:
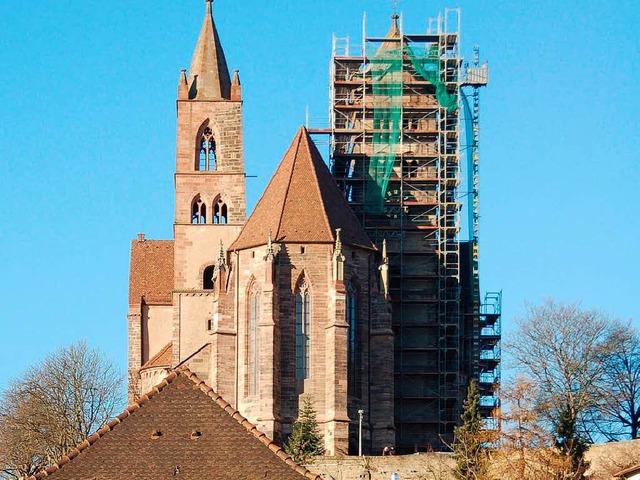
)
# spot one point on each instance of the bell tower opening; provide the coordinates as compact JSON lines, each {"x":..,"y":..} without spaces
{"x":207,"y":161}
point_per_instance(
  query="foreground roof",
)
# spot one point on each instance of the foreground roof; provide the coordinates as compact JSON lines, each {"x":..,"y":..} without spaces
{"x":181,"y":429}
{"x":302,"y":204}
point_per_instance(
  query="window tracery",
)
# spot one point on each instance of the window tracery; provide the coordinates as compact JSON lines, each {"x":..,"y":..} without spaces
{"x":220,"y":212}
{"x":303,"y":330}
{"x":207,"y":161}
{"x":253,"y":340}
{"x":198,"y":211}
{"x":352,"y":345}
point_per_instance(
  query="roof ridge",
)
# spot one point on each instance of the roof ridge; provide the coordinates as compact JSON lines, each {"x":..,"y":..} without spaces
{"x":267,"y":189}
{"x":314,"y":172}
{"x":102,"y":431}
{"x":290,"y":177}
{"x":157,"y":356}
{"x":297,"y":212}
{"x":207,"y":390}
{"x":251,"y":428}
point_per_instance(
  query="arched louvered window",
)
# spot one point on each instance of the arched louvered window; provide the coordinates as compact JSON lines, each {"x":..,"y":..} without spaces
{"x":303,"y":330}
{"x":198,"y":211}
{"x":253,"y":341}
{"x":220,"y":212}
{"x":352,"y":345}
{"x":207,"y":161}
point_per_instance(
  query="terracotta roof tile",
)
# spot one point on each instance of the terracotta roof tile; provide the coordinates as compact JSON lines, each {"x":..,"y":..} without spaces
{"x":229,"y":446}
{"x":302,"y":204}
{"x":151,"y":272}
{"x":161,"y":359}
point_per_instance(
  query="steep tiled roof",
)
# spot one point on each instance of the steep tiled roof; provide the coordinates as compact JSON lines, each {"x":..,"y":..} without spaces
{"x":209,"y":64}
{"x":161,"y":359}
{"x":302,"y":204}
{"x":394,"y":32}
{"x":180,"y":429}
{"x":151,"y":272}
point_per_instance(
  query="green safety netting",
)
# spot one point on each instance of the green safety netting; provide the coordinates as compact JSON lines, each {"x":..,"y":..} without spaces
{"x":387,"y":67}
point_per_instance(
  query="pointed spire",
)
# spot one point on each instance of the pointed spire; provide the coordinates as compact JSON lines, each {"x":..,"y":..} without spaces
{"x":236,"y":87}
{"x":384,"y":270}
{"x":338,"y":245}
{"x":393,"y":33}
{"x":222,"y":258}
{"x":338,"y":258}
{"x":271,"y":254}
{"x":302,"y":204}
{"x":183,"y":86}
{"x":209,"y":74}
{"x":395,"y":30}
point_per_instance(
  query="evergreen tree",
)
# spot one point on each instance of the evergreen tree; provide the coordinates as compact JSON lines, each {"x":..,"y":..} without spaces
{"x":571,"y":444}
{"x":469,"y":439}
{"x":305,"y":441}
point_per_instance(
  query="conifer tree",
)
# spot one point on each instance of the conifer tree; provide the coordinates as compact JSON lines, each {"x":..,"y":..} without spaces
{"x":470,"y":438}
{"x":305,"y":441}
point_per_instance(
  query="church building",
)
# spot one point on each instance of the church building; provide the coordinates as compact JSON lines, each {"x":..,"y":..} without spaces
{"x":291,"y":302}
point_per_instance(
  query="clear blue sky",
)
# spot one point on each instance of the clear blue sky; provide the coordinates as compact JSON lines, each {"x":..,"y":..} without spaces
{"x":87,"y":142}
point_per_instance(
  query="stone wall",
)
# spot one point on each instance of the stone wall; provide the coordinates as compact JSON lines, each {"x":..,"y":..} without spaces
{"x":423,"y":466}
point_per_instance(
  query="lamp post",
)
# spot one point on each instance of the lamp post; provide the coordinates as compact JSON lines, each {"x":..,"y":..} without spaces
{"x":360,"y":415}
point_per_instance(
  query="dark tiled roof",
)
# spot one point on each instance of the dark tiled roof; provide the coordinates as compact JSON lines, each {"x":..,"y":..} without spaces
{"x":151,"y":272}
{"x":302,"y":204}
{"x":181,"y":429}
{"x":161,"y":359}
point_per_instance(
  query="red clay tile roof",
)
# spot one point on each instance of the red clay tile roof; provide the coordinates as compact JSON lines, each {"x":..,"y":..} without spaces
{"x":394,"y":33}
{"x":180,"y":429}
{"x":151,"y":272}
{"x":302,"y":204}
{"x":161,"y":359}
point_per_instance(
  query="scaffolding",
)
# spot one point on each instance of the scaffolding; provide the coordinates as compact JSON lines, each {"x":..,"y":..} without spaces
{"x":396,"y":152}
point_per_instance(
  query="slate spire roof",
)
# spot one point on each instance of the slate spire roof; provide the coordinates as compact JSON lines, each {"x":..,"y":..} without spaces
{"x":302,"y":204}
{"x":209,"y":74}
{"x":180,"y":429}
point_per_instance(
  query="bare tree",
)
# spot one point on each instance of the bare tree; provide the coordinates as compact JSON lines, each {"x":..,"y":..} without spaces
{"x":526,"y":450}
{"x":54,"y":406}
{"x":618,"y":416}
{"x":562,"y":350}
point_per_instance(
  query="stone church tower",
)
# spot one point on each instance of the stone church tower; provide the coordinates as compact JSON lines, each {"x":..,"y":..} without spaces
{"x":291,"y":302}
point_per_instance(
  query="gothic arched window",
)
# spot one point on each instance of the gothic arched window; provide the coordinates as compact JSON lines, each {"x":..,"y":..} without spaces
{"x":198,"y":211}
{"x":303,"y":315}
{"x":352,"y":346}
{"x":253,"y":341}
{"x":220,"y":212}
{"x":207,"y":156}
